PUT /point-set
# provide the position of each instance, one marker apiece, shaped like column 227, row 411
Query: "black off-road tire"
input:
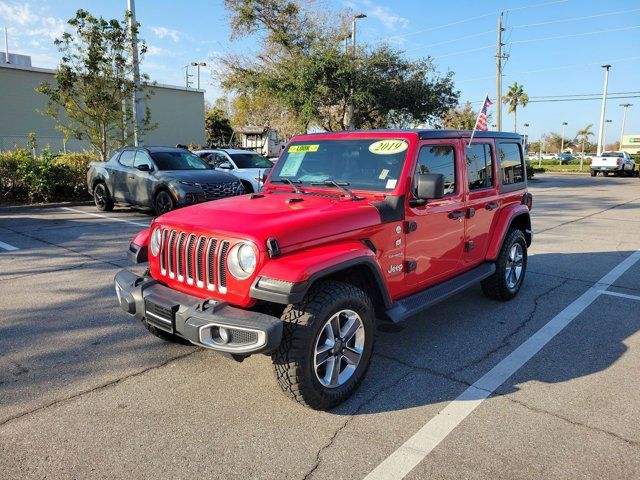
column 102, row 197
column 293, row 361
column 166, row 336
column 163, row 203
column 496, row 286
column 593, row 173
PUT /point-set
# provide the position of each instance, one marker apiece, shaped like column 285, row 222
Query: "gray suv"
column 161, row 178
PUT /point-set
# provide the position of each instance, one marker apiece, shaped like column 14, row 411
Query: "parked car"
column 618, row 163
column 161, row 178
column 246, row 165
column 351, row 230
column 564, row 158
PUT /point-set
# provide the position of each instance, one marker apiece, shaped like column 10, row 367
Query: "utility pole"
column 624, row 120
column 564, row 124
column 603, row 109
column 524, row 135
column 351, row 122
column 6, row 45
column 499, row 57
column 604, row 135
column 137, row 107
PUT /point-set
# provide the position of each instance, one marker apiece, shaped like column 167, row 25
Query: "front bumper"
column 208, row 323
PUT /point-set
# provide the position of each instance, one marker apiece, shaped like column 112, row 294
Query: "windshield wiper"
column 340, row 186
column 288, row 181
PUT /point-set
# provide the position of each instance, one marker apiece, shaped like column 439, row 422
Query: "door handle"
column 492, row 205
column 457, row 214
column 132, row 177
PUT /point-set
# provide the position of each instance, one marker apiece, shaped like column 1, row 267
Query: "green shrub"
column 46, row 178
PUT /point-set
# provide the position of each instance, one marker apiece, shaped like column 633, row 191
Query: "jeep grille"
column 194, row 259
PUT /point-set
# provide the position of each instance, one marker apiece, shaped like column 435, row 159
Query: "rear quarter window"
column 512, row 170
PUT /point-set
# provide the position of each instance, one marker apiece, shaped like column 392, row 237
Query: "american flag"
column 481, row 123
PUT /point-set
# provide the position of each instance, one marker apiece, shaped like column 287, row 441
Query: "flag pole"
column 475, row 127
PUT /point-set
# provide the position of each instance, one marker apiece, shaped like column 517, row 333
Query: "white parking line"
column 622, row 295
column 115, row 219
column 6, row 246
column 413, row 451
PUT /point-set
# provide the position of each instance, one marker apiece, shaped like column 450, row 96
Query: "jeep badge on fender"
column 351, row 230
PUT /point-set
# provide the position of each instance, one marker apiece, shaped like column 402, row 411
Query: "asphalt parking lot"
column 86, row 392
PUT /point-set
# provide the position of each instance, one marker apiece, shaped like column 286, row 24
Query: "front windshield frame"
column 191, row 161
column 381, row 171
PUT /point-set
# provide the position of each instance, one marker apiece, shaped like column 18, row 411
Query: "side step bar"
column 408, row 306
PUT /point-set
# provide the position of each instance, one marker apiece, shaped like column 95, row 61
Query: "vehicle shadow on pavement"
column 63, row 332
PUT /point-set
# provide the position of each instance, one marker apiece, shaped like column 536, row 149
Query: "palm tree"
column 582, row 136
column 515, row 97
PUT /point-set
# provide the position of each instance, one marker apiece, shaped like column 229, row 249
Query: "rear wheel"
column 163, row 203
column 511, row 266
column 326, row 347
column 102, row 197
column 593, row 173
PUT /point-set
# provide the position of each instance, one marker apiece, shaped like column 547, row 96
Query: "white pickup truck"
column 619, row 163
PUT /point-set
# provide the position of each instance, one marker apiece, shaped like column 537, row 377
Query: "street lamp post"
column 604, row 135
column 524, row 135
column 137, row 105
column 351, row 122
column 198, row 65
column 624, row 120
column 564, row 124
column 603, row 109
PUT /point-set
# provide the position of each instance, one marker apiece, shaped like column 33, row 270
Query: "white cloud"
column 17, row 13
column 163, row 32
column 389, row 19
column 153, row 51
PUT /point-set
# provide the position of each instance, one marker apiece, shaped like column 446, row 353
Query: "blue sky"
column 594, row 32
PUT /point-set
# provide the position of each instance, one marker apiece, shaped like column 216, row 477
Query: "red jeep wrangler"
column 351, row 230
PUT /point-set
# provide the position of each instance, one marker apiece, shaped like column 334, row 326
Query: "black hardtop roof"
column 424, row 134
column 152, row 148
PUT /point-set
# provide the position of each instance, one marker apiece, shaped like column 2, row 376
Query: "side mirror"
column 428, row 186
column 226, row 166
column 144, row 167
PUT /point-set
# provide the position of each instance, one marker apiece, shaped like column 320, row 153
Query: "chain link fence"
column 55, row 144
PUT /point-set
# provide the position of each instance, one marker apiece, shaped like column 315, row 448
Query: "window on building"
column 439, row 159
column 511, row 163
column 479, row 166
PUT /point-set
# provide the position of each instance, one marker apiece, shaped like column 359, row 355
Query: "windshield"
column 612, row 154
column 372, row 164
column 178, row 160
column 250, row 160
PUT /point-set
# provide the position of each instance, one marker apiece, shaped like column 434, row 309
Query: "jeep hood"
column 280, row 215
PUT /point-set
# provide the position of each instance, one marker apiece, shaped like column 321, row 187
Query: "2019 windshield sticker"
column 388, row 147
column 303, row 148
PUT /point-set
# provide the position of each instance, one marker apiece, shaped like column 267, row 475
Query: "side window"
column 219, row 159
column 511, row 163
column 141, row 159
column 479, row 166
column 439, row 159
column 126, row 158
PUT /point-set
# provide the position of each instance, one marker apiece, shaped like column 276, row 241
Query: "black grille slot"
column 211, row 263
column 171, row 253
column 189, row 254
column 199, row 261
column 213, row 191
column 242, row 337
column 163, row 252
column 180, row 252
column 222, row 266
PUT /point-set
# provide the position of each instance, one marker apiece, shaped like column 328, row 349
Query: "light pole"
column 624, row 120
column 524, row 135
column 187, row 82
column 137, row 107
column 604, row 134
column 603, row 109
column 564, row 124
column 198, row 65
column 351, row 122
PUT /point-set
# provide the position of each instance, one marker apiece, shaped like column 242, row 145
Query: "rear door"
column 121, row 174
column 434, row 249
column 483, row 200
column 140, row 183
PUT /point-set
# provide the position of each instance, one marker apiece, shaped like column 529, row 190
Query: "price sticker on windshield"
column 303, row 148
column 388, row 147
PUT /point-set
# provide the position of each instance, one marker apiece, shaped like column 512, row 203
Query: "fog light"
column 190, row 198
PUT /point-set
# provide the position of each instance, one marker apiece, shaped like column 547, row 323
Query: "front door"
column 121, row 175
column 139, row 183
column 434, row 249
column 483, row 202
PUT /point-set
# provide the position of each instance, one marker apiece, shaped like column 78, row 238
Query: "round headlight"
column 241, row 260
column 156, row 237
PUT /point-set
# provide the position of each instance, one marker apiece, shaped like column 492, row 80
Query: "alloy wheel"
column 513, row 270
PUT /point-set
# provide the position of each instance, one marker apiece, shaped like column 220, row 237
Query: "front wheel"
column 594, row 173
column 511, row 265
column 326, row 347
column 163, row 203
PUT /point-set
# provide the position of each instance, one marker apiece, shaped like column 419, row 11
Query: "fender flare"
column 507, row 217
column 139, row 247
column 290, row 292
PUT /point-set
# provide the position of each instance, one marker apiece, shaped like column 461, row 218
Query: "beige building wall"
column 178, row 112
column 630, row 144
